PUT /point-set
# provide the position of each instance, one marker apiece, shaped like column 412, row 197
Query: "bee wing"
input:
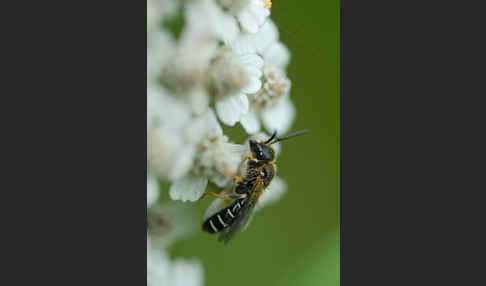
column 240, row 223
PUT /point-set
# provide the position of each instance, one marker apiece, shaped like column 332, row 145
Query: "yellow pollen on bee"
column 268, row 3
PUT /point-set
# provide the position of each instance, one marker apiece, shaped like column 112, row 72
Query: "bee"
column 261, row 169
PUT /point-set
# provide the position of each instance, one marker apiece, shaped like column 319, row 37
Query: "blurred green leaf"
column 320, row 266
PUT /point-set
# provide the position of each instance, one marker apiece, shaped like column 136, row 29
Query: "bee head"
column 261, row 151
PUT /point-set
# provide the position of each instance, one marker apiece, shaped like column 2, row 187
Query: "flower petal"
column 250, row 122
column 202, row 127
column 248, row 22
column 188, row 188
column 182, row 163
column 253, row 86
column 267, row 35
column 252, row 60
column 231, row 108
column 280, row 117
column 277, row 54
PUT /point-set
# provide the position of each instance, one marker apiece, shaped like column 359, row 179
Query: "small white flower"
column 271, row 103
column 253, row 15
column 180, row 272
column 227, row 75
column 256, row 43
column 233, row 76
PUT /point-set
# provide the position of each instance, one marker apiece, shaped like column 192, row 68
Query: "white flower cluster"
column 225, row 64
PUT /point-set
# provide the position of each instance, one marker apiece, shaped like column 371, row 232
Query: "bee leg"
column 235, row 176
column 224, row 197
column 243, row 162
column 238, row 178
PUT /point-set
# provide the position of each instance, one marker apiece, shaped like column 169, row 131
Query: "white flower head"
column 271, row 105
column 227, row 75
column 227, row 51
column 276, row 87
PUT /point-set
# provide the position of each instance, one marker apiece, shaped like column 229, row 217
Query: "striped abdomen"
column 224, row 218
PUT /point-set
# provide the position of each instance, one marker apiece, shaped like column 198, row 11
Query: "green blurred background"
column 296, row 240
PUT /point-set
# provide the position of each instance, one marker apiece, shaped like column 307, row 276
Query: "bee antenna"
column 291, row 135
column 271, row 138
